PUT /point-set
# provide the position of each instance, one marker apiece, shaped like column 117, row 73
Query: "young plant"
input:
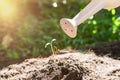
column 51, row 45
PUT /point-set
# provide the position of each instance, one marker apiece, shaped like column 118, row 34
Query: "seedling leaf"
column 53, row 40
column 47, row 45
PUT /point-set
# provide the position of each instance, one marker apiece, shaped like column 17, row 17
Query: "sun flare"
column 7, row 9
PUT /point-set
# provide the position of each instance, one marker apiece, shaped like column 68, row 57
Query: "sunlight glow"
column 1, row 1
column 7, row 9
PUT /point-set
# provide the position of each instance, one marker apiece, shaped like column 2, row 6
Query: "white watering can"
column 69, row 26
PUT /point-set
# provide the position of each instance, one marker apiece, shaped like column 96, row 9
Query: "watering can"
column 69, row 26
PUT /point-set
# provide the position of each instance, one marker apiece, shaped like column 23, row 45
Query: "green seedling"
column 51, row 45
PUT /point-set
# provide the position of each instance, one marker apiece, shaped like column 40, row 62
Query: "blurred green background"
column 36, row 22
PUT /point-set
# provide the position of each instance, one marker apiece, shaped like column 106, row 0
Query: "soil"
column 4, row 62
column 110, row 49
column 69, row 66
column 101, row 64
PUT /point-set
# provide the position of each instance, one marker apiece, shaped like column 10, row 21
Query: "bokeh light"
column 55, row 4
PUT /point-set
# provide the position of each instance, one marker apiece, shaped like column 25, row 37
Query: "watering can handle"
column 111, row 4
column 93, row 7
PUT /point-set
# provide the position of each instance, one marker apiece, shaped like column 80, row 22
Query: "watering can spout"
column 69, row 26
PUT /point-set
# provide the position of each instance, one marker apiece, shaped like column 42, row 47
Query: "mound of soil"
column 69, row 66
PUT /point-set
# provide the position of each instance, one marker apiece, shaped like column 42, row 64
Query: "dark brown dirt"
column 5, row 62
column 111, row 49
